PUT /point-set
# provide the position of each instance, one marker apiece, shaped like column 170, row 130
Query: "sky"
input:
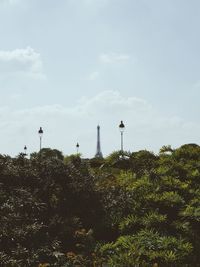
column 69, row 65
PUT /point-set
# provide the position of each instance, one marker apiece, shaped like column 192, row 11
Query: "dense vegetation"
column 127, row 210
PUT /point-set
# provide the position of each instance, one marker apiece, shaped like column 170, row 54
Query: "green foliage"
column 128, row 210
column 48, row 153
column 146, row 248
column 166, row 149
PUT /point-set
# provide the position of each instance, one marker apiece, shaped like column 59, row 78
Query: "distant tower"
column 98, row 153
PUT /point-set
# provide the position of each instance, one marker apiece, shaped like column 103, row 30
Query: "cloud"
column 113, row 103
column 197, row 84
column 112, row 58
column 93, row 76
column 91, row 3
column 13, row 1
column 65, row 126
column 96, row 2
column 26, row 61
column 10, row 2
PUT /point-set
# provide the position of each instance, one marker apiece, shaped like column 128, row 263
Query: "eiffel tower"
column 98, row 152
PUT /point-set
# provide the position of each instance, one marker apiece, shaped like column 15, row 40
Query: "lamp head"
column 40, row 132
column 121, row 126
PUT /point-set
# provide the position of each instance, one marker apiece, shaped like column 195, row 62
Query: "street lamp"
column 40, row 132
column 121, row 128
column 77, row 148
column 25, row 149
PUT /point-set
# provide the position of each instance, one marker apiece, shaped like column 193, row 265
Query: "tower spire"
column 98, row 152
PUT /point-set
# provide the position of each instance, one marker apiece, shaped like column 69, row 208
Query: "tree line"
column 131, row 209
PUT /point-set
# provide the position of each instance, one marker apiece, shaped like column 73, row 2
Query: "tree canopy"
column 131, row 209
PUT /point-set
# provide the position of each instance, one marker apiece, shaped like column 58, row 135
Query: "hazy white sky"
column 68, row 65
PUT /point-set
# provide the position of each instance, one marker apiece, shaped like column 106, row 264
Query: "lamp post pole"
column 122, row 128
column 40, row 132
column 25, row 149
